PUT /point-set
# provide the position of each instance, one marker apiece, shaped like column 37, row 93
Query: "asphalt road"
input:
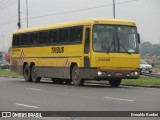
column 17, row 95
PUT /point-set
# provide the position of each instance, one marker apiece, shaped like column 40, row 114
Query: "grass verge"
column 5, row 72
column 148, row 81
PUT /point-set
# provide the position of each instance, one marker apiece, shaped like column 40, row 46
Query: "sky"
column 145, row 13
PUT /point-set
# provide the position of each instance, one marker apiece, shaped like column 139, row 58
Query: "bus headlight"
column 136, row 73
column 99, row 73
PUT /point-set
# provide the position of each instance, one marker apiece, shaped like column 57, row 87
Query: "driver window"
column 87, row 41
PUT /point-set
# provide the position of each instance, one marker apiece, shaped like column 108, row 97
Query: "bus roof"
column 76, row 23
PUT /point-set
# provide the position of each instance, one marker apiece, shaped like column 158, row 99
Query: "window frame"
column 47, row 43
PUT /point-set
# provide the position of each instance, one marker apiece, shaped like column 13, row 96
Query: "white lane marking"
column 26, row 105
column 33, row 89
column 119, row 99
column 66, row 92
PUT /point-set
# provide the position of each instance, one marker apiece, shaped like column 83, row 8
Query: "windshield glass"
column 112, row 38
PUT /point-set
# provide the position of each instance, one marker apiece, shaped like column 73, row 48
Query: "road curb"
column 147, row 86
column 10, row 76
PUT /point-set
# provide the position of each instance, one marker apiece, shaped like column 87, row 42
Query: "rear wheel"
column 34, row 75
column 27, row 73
column 115, row 82
column 76, row 77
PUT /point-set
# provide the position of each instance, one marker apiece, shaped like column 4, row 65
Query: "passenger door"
column 87, row 48
column 87, row 64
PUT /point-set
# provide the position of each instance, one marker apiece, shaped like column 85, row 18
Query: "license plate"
column 119, row 74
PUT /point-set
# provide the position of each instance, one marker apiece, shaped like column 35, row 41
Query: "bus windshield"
column 115, row 39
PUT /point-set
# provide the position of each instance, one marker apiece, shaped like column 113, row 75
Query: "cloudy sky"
column 146, row 14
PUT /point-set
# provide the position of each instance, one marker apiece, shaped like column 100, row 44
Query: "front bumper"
column 106, row 74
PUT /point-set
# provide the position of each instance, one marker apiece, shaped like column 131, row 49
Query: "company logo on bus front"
column 104, row 59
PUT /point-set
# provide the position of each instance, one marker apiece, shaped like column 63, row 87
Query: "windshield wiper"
column 112, row 43
column 108, row 49
column 120, row 43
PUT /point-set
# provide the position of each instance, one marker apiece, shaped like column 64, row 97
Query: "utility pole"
column 3, row 42
column 114, row 13
column 27, row 11
column 19, row 15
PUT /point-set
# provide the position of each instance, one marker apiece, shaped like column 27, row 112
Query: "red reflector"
column 119, row 74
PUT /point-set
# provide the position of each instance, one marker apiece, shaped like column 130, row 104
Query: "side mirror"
column 138, row 36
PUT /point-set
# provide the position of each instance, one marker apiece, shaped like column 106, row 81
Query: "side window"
column 43, row 37
column 76, row 34
column 87, row 41
column 26, row 42
column 33, row 39
column 24, row 39
column 16, row 40
column 63, row 35
column 53, row 35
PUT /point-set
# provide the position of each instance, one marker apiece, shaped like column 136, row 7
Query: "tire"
column 76, row 76
column 68, row 81
column 34, row 76
column 140, row 72
column 27, row 73
column 57, row 81
column 115, row 82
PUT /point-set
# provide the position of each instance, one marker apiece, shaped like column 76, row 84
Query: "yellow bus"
column 89, row 49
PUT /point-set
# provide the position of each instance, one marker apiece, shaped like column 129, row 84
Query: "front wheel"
column 68, row 81
column 140, row 72
column 150, row 71
column 115, row 82
column 34, row 75
column 27, row 73
column 76, row 77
